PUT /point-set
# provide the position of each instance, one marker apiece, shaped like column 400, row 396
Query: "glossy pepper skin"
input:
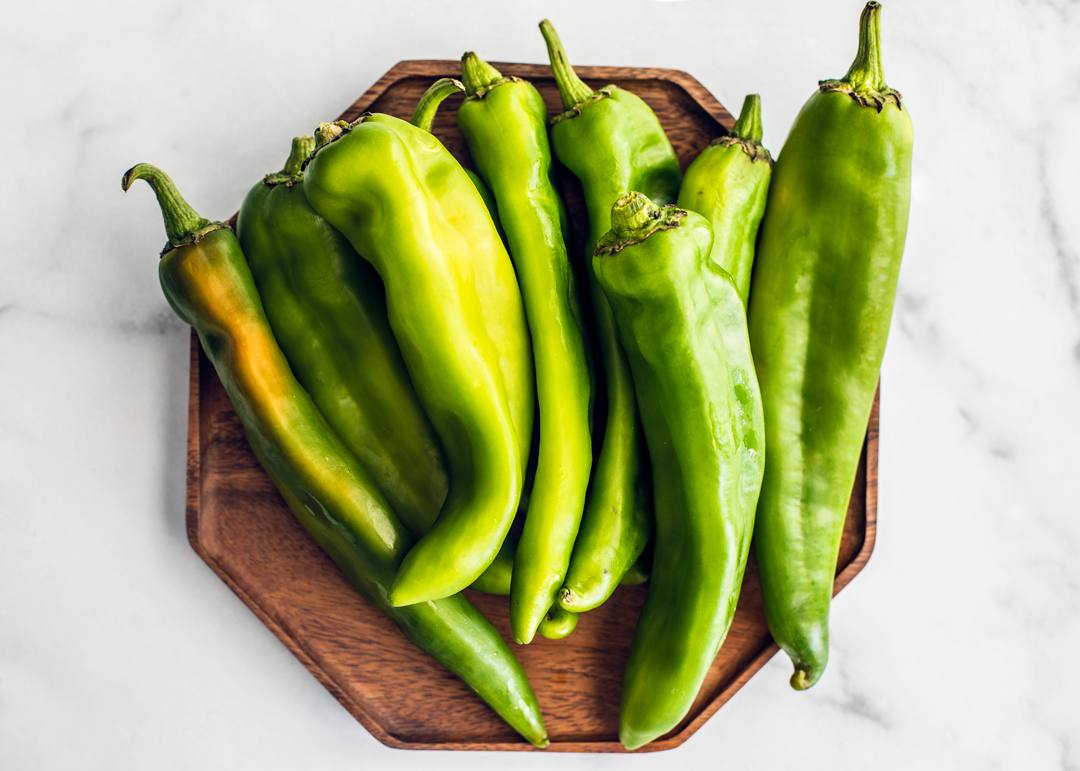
column 504, row 122
column 612, row 142
column 327, row 310
column 820, row 305
column 424, row 118
column 406, row 205
column 207, row 282
column 683, row 326
column 728, row 184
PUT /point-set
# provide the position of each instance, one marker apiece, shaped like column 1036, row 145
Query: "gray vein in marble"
column 1003, row 451
column 1069, row 760
column 1066, row 257
column 852, row 701
column 163, row 322
column 1064, row 254
column 911, row 317
column 1060, row 7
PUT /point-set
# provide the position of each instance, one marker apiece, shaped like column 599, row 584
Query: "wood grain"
column 240, row 526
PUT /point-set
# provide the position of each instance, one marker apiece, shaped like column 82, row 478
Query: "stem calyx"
column 633, row 219
column 865, row 79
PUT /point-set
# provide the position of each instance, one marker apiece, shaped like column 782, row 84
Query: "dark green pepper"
column 406, row 205
column 504, row 122
column 327, row 309
column 207, row 282
column 328, row 313
column 727, row 184
column 820, row 305
column 612, row 142
column 683, row 326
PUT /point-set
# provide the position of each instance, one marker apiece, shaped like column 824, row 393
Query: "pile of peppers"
column 447, row 396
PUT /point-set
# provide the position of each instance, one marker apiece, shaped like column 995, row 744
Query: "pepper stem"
column 748, row 126
column 476, row 74
column 572, row 89
column 328, row 132
column 181, row 221
column 424, row 116
column 633, row 219
column 293, row 172
column 632, row 212
column 866, row 72
column 302, row 147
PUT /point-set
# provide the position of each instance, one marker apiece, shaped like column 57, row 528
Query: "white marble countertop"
column 120, row 649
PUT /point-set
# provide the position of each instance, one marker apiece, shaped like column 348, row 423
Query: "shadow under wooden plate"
column 240, row 526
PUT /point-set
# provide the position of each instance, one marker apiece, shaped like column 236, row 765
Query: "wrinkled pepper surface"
column 683, row 326
column 820, row 304
column 327, row 309
column 504, row 122
column 727, row 184
column 612, row 142
column 406, row 205
column 207, row 282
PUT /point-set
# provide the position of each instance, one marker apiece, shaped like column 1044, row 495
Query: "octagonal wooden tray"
column 239, row 525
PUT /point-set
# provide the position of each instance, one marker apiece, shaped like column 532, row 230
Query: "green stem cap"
column 572, row 89
column 747, row 131
column 633, row 219
column 866, row 72
column 328, row 132
column 748, row 126
column 302, row 147
column 424, row 116
column 865, row 79
column 476, row 74
column 181, row 221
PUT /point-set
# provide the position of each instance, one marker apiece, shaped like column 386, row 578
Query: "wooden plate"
column 239, row 525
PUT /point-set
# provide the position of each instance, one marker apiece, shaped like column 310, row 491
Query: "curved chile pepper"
column 504, row 122
column 821, row 301
column 496, row 578
column 327, row 310
column 682, row 323
column 612, row 142
column 207, row 282
column 407, row 206
column 727, row 184
column 557, row 623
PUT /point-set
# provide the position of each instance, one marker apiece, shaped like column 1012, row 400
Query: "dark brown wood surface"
column 240, row 526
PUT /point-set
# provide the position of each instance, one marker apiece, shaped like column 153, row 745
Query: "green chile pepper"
column 557, row 623
column 328, row 313
column 504, row 122
column 406, row 205
column 727, row 184
column 683, row 326
column 496, row 579
column 327, row 310
column 207, row 282
column 821, row 301
column 612, row 142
